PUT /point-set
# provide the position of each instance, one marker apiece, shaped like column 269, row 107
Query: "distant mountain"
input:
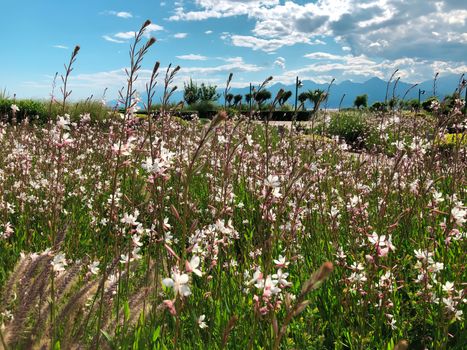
column 375, row 88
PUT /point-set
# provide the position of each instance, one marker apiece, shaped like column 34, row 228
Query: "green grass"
column 325, row 202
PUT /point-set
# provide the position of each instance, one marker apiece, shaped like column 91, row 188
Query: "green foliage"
column 350, row 126
column 42, row 111
column 191, row 93
column 303, row 97
column 31, row 109
column 378, row 106
column 452, row 141
column 316, row 97
column 361, row 101
column 413, row 104
column 285, row 97
column 205, row 109
column 427, row 104
column 229, row 98
column 262, row 96
column 237, row 99
column 207, row 93
column 339, row 314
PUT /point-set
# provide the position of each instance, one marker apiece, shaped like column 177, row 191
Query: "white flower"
column 438, row 197
column 422, row 254
column 14, row 108
column 59, row 262
column 272, row 181
column 257, row 276
column 136, row 241
column 201, row 322
column 281, row 278
column 270, row 287
column 63, row 122
column 436, row 267
column 94, row 268
column 459, row 215
column 357, row 277
column 130, row 219
column 221, row 139
column 448, row 287
column 450, row 304
column 357, row 267
column 126, row 258
column 281, row 261
column 8, row 231
column 178, row 282
column 192, row 266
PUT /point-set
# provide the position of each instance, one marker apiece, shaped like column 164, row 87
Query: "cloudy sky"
column 316, row 40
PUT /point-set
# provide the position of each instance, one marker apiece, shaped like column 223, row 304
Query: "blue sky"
column 316, row 40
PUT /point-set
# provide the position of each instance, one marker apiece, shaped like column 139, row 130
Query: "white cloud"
column 192, row 57
column 122, row 37
column 180, row 35
column 112, row 40
column 122, row 14
column 382, row 28
column 125, row 35
column 153, row 28
column 61, row 47
column 362, row 67
column 323, row 56
column 255, row 43
column 87, row 83
column 208, row 32
column 280, row 61
column 220, row 9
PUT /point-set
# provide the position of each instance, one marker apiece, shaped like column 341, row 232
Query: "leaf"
column 156, row 334
column 126, row 310
column 106, row 336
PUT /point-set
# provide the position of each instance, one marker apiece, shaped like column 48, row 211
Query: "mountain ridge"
column 374, row 87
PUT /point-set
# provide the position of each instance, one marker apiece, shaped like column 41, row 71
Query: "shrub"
column 205, row 109
column 349, row 126
column 361, row 101
column 451, row 141
column 27, row 109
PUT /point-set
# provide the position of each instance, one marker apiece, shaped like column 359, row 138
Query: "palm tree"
column 284, row 97
column 316, row 97
column 237, row 100
column 248, row 98
column 262, row 96
column 229, row 98
column 302, row 98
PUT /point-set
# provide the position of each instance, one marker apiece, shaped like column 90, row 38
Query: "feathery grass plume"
column 228, row 330
column 300, row 304
column 37, row 277
column 402, row 345
column 68, row 70
column 8, row 291
column 168, row 88
column 227, row 89
column 29, row 325
column 327, row 94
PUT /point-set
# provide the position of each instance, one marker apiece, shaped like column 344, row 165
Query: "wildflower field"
column 153, row 232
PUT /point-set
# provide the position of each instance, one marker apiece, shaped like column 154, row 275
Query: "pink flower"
column 169, row 304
